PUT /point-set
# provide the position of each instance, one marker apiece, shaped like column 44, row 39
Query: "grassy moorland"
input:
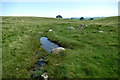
column 89, row 53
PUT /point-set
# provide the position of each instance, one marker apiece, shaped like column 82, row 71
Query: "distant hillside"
column 85, row 18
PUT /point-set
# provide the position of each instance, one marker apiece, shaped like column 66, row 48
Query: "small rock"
column 70, row 28
column 22, row 20
column 100, row 31
column 40, row 32
column 45, row 76
column 82, row 26
column 57, row 50
column 50, row 29
column 16, row 68
column 40, row 59
column 56, row 64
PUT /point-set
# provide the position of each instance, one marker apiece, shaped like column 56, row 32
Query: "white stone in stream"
column 57, row 50
column 45, row 76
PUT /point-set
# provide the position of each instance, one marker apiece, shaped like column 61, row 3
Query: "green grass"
column 88, row 54
column 0, row 49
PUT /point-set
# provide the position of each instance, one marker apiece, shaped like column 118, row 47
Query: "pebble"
column 45, row 76
column 16, row 68
column 40, row 32
column 100, row 31
column 50, row 29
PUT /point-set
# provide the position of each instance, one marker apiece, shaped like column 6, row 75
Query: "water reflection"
column 47, row 45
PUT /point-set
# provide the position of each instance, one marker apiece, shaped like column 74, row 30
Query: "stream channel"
column 47, row 45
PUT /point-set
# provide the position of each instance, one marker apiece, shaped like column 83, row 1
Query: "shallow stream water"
column 47, row 45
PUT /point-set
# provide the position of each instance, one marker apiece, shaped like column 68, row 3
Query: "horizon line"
column 63, row 17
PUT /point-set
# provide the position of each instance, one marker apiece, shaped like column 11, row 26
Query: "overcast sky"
column 66, row 8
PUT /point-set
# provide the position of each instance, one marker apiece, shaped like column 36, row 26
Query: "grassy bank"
column 20, row 42
column 89, row 53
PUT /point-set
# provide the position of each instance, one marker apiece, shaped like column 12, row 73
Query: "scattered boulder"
column 50, row 29
column 81, row 26
column 45, row 75
column 70, row 28
column 57, row 50
column 100, row 31
column 22, row 20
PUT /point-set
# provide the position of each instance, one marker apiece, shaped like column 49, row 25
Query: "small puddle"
column 47, row 45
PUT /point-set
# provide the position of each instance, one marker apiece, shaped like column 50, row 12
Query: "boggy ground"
column 89, row 53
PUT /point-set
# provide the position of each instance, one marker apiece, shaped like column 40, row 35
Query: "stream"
column 47, row 45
